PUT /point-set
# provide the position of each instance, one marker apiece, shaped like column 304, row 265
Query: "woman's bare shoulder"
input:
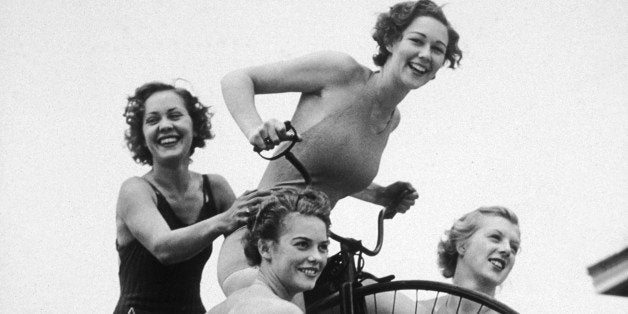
column 265, row 305
column 255, row 300
column 342, row 65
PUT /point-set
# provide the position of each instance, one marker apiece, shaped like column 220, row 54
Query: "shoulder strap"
column 164, row 209
column 153, row 186
column 208, row 196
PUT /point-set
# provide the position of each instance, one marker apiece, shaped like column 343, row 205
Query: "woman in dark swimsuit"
column 167, row 219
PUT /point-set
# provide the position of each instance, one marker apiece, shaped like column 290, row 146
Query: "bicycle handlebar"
column 294, row 138
column 356, row 245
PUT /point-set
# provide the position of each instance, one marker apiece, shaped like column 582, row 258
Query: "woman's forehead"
column 296, row 224
column 490, row 222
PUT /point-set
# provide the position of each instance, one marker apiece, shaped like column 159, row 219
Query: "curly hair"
column 268, row 224
column 390, row 26
column 462, row 230
column 134, row 114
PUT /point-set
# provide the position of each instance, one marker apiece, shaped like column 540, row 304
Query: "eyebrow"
column 307, row 239
column 502, row 234
column 438, row 41
column 167, row 111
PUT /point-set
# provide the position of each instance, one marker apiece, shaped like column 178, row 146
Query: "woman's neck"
column 387, row 90
column 174, row 177
column 270, row 280
column 463, row 279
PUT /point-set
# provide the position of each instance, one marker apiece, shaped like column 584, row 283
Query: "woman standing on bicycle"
column 478, row 253
column 167, row 219
column 287, row 241
column 346, row 113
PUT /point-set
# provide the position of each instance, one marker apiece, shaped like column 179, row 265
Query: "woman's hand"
column 399, row 196
column 268, row 134
column 243, row 207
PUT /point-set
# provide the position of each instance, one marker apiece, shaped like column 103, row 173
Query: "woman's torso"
column 342, row 142
column 147, row 284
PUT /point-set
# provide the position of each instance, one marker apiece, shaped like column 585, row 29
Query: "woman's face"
column 420, row 52
column 489, row 254
column 300, row 255
column 167, row 127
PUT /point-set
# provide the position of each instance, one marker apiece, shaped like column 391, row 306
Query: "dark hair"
column 462, row 230
column 134, row 114
column 390, row 25
column 269, row 221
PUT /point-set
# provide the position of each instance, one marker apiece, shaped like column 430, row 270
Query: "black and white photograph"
column 314, row 156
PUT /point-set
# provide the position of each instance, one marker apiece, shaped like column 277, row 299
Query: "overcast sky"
column 535, row 119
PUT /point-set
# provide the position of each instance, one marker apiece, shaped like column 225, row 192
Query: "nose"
column 505, row 249
column 317, row 257
column 424, row 52
column 165, row 125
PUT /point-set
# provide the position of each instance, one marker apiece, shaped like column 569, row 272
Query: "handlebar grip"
column 389, row 211
column 289, row 138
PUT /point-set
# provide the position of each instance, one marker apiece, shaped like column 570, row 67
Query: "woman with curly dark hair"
column 477, row 252
column 167, row 219
column 345, row 114
column 287, row 241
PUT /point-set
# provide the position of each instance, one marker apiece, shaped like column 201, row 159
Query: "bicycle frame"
column 350, row 296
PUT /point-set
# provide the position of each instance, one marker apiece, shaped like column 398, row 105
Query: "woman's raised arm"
column 308, row 74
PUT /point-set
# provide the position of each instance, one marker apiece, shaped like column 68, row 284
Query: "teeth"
column 308, row 271
column 167, row 140
column 497, row 263
column 418, row 67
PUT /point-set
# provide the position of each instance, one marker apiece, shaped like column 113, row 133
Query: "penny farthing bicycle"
column 344, row 287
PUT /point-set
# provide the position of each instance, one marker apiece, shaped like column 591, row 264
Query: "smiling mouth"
column 168, row 140
column 498, row 263
column 309, row 271
column 416, row 67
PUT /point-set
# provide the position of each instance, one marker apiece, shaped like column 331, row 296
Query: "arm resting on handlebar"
column 374, row 193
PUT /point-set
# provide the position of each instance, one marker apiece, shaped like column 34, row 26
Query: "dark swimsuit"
column 148, row 286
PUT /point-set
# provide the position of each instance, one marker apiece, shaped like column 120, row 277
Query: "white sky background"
column 535, row 119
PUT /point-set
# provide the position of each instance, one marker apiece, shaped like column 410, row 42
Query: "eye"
column 439, row 50
column 495, row 237
column 151, row 120
column 323, row 247
column 302, row 245
column 514, row 248
column 417, row 41
column 175, row 115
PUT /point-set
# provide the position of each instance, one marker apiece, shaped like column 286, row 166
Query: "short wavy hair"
column 390, row 26
column 134, row 114
column 461, row 231
column 268, row 224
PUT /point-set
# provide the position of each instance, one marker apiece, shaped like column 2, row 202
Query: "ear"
column 389, row 48
column 460, row 247
column 264, row 247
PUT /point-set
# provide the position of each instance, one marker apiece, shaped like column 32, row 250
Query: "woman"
column 167, row 219
column 478, row 253
column 345, row 114
column 287, row 241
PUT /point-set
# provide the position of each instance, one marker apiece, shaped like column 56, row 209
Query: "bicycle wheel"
column 387, row 298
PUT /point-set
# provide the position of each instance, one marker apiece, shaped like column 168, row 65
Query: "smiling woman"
column 167, row 219
column 287, row 241
column 345, row 115
column 478, row 253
